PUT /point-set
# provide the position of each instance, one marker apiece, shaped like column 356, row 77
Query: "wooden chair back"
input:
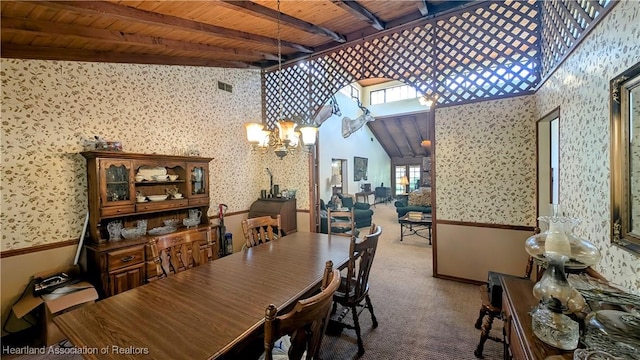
column 173, row 254
column 260, row 230
column 340, row 223
column 305, row 323
column 361, row 255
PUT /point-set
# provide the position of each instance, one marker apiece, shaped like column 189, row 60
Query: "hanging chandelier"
column 283, row 139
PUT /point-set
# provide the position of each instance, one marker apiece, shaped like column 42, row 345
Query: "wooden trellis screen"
column 490, row 50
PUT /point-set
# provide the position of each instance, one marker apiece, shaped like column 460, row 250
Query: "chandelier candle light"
column 283, row 139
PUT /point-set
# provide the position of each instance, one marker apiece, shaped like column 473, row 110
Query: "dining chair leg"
column 483, row 312
column 373, row 317
column 356, row 325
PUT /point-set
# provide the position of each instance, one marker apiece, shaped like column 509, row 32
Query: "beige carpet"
column 419, row 316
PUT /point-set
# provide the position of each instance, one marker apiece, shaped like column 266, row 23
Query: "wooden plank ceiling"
column 401, row 135
column 226, row 33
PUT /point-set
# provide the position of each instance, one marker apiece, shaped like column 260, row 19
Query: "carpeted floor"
column 419, row 316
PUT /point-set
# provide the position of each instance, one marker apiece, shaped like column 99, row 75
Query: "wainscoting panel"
column 469, row 252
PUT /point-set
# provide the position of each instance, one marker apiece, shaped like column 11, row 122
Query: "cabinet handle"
column 127, row 258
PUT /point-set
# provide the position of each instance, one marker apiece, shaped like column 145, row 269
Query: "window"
column 400, row 171
column 414, row 177
column 412, row 172
column 351, row 91
column 392, row 94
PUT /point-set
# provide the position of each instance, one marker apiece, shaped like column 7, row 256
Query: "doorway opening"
column 548, row 150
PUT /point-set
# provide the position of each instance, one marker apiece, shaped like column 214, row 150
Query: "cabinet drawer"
column 126, row 257
column 162, row 205
column 117, row 210
column 199, row 201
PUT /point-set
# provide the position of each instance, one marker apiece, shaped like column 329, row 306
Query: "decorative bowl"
column 173, row 177
column 157, row 197
column 131, row 233
column 159, row 177
column 172, row 222
column 189, row 222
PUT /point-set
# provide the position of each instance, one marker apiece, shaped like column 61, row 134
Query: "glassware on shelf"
column 114, row 228
column 616, row 332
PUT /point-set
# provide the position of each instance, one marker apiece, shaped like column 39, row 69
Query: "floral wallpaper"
column 486, row 162
column 50, row 108
column 580, row 87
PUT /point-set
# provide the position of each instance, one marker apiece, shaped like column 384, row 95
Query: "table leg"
column 429, row 234
column 401, row 231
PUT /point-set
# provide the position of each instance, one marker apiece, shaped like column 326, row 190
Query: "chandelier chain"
column 279, row 65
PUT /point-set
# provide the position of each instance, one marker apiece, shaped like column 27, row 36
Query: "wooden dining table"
column 204, row 312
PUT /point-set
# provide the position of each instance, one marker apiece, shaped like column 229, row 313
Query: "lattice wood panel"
column 500, row 49
column 563, row 23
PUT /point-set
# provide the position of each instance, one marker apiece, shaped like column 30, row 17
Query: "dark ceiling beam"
column 47, row 53
column 263, row 12
column 417, row 130
column 386, row 130
column 435, row 10
column 43, row 28
column 361, row 13
column 395, row 143
column 423, row 7
column 405, row 137
column 107, row 9
column 393, row 26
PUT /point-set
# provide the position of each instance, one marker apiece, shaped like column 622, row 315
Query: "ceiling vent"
column 224, row 86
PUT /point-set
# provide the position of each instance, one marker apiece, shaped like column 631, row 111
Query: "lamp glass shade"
column 559, row 239
column 294, row 140
column 404, row 181
column 254, row 132
column 286, row 130
column 264, row 138
column 309, row 135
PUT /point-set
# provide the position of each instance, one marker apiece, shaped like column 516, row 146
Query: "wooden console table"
column 365, row 196
column 520, row 341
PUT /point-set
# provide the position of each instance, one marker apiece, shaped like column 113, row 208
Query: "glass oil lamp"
column 560, row 249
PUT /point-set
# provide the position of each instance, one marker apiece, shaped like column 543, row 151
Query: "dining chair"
column 173, row 254
column 260, row 230
column 354, row 287
column 341, row 223
column 299, row 332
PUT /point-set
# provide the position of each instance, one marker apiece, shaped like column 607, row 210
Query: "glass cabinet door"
column 198, row 175
column 117, row 179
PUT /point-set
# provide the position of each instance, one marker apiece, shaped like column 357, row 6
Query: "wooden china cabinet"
column 117, row 265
